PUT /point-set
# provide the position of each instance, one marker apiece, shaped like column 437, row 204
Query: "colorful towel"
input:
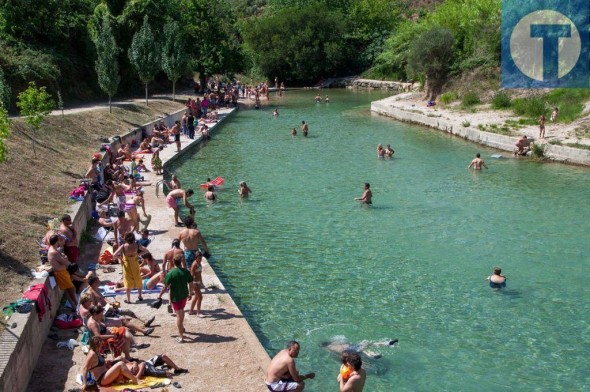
column 145, row 383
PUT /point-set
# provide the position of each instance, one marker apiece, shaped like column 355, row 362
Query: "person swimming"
column 339, row 346
column 497, row 280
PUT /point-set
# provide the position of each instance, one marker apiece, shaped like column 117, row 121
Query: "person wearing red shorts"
column 179, row 280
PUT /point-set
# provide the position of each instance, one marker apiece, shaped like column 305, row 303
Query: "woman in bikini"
column 131, row 209
column 118, row 338
column 96, row 364
column 131, row 272
column 380, row 151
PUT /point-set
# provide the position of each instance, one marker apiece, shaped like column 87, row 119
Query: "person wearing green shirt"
column 179, row 281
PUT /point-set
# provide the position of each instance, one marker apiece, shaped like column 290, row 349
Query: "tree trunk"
column 433, row 88
column 202, row 82
column 110, row 109
column 146, row 95
column 174, row 91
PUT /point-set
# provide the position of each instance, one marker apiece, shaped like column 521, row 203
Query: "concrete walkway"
column 222, row 352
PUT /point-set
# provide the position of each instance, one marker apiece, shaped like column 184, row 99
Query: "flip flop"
column 142, row 346
column 179, row 225
column 148, row 331
column 179, row 340
column 150, row 321
column 176, row 384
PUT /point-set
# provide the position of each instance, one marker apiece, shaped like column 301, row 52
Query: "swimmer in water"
column 477, row 163
column 497, row 280
column 304, row 128
column 293, row 132
column 367, row 196
column 210, row 194
column 339, row 347
column 276, row 113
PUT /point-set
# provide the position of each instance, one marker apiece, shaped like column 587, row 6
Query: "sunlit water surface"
column 304, row 261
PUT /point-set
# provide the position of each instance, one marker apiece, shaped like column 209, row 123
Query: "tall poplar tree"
column 174, row 57
column 144, row 54
column 107, row 66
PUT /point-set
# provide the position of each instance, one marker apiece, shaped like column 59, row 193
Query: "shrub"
column 501, row 101
column 448, row 97
column 466, row 123
column 470, row 99
column 538, row 150
column 530, row 107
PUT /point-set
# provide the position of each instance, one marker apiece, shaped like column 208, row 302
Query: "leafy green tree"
column 4, row 132
column 432, row 55
column 107, row 66
column 144, row 54
column 174, row 57
column 215, row 46
column 292, row 45
column 4, row 91
column 35, row 104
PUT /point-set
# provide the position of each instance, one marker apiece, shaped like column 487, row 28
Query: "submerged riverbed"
column 304, row 261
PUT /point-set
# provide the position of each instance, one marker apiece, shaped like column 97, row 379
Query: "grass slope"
column 33, row 190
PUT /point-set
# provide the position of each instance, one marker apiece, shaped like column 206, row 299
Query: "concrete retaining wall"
column 555, row 152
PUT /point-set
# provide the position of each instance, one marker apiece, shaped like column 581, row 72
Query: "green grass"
column 570, row 102
column 448, row 97
column 470, row 99
column 501, row 101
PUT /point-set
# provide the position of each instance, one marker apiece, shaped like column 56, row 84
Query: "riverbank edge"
column 249, row 336
column 392, row 107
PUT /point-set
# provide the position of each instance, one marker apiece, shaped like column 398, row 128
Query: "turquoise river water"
column 304, row 261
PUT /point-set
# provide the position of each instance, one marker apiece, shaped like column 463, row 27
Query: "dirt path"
column 223, row 353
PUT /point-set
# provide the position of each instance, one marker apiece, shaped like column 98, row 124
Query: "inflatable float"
column 217, row 182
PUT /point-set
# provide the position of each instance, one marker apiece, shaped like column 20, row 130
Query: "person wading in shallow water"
column 367, row 197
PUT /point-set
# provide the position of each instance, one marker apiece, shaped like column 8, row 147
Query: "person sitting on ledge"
column 523, row 146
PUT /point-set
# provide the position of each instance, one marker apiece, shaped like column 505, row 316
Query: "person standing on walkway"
column 179, row 281
column 282, row 374
column 59, row 263
column 542, row 126
column 172, row 201
column 190, row 238
column 175, row 131
column 68, row 232
column 190, row 124
column 131, row 272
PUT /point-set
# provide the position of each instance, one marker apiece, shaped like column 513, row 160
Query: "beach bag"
column 106, row 257
column 65, row 321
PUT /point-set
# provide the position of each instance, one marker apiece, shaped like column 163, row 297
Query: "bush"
column 501, row 101
column 538, row 150
column 530, row 107
column 448, row 97
column 470, row 99
column 466, row 123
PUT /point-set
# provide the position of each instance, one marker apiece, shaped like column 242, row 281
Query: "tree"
column 4, row 132
column 144, row 54
column 432, row 55
column 292, row 45
column 35, row 104
column 174, row 57
column 107, row 67
column 4, row 91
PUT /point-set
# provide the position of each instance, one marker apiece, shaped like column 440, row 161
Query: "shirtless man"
column 93, row 172
column 282, row 374
column 59, row 264
column 477, row 163
column 190, row 238
column 304, row 128
column 121, row 227
column 523, row 146
column 175, row 131
column 172, row 201
column 170, row 254
column 542, row 126
column 358, row 376
column 367, row 196
column 67, row 231
column 210, row 194
column 174, row 183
